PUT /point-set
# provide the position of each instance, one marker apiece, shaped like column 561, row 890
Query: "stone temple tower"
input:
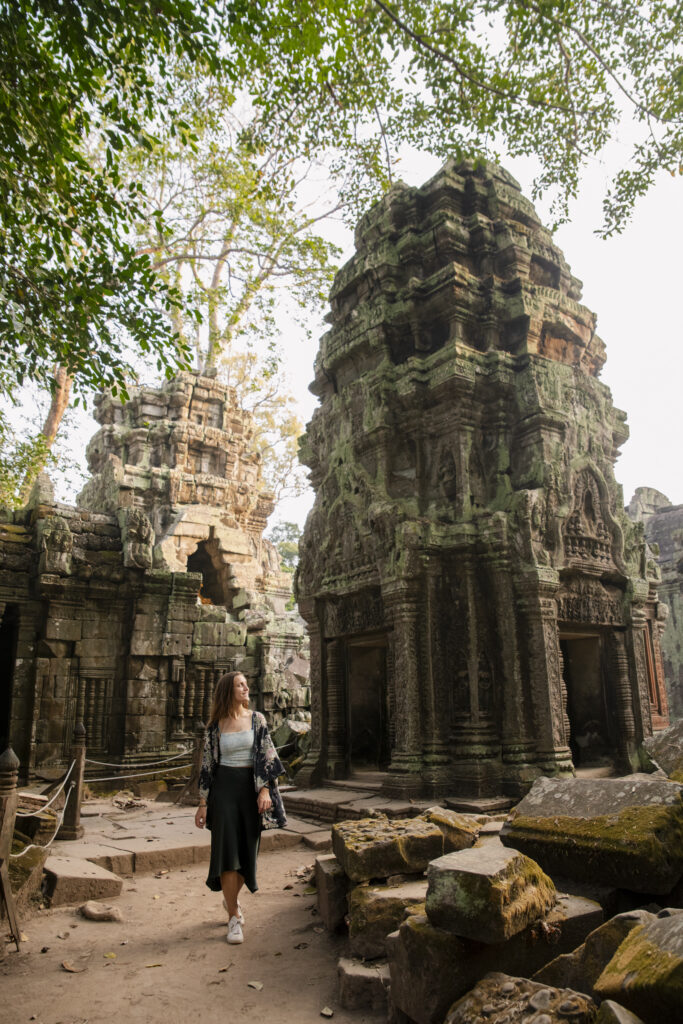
column 481, row 611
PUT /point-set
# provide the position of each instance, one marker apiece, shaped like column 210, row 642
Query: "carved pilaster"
column 311, row 773
column 623, row 696
column 539, row 609
column 336, row 756
column 403, row 778
column 436, row 697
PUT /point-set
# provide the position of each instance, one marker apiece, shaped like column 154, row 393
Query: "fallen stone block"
column 332, row 885
column 624, row 832
column 645, row 975
column 459, row 831
column 362, row 986
column 487, row 893
column 431, row 968
column 499, row 999
column 320, row 841
column 93, row 911
column 379, row 847
column 69, row 880
column 375, row 911
column 581, row 968
column 612, row 1013
column 666, row 750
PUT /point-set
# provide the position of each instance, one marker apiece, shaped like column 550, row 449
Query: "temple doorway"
column 368, row 717
column 9, row 628
column 587, row 710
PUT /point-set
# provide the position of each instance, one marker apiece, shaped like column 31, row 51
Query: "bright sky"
column 634, row 283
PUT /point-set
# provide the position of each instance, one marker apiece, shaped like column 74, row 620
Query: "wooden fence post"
column 9, row 771
column 71, row 827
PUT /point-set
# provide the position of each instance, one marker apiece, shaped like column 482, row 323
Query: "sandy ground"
column 167, row 962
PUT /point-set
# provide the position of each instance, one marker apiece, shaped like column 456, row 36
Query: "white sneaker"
column 240, row 915
column 234, row 931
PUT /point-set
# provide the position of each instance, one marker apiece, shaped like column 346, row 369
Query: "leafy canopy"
column 73, row 291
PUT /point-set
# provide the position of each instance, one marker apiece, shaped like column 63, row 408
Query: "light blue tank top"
column 237, row 749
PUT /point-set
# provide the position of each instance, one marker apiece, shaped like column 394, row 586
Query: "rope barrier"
column 41, row 846
column 136, row 775
column 144, row 764
column 44, row 807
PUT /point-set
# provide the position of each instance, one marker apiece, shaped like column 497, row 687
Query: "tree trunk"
column 58, row 406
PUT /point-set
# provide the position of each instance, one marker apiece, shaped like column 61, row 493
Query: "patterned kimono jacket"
column 267, row 767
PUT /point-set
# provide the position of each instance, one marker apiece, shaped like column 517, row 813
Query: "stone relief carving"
column 56, row 546
column 137, row 536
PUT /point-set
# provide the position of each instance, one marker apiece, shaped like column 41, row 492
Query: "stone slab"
column 431, row 968
column 378, row 847
column 332, row 885
column 645, row 975
column 459, row 832
column 113, row 858
column 612, row 1013
column 376, row 911
column 581, row 968
column 362, row 986
column 71, row 880
column 624, row 832
column 666, row 749
column 278, row 839
column 321, row 840
column 487, row 893
column 500, row 998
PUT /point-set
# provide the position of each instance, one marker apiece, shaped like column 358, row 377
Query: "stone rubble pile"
column 449, row 925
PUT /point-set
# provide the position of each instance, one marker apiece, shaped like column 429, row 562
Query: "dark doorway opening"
column 590, row 740
column 206, row 559
column 9, row 629
column 368, row 718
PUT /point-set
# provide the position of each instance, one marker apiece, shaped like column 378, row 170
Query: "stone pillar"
column 404, row 775
column 9, row 771
column 189, row 795
column 71, row 827
column 476, row 744
column 518, row 748
column 311, row 773
column 336, row 755
column 436, row 748
column 623, row 697
column 538, row 588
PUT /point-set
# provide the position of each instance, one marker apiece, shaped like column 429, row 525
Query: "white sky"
column 633, row 282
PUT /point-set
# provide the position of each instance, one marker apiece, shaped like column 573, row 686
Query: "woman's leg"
column 231, row 883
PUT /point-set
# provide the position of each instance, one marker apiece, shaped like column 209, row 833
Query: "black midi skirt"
column 235, row 824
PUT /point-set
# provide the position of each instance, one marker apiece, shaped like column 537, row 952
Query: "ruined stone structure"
column 663, row 524
column 123, row 611
column 480, row 608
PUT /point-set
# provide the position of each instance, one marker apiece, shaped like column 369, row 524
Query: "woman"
column 237, row 791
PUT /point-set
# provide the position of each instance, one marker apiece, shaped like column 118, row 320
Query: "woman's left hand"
column 263, row 801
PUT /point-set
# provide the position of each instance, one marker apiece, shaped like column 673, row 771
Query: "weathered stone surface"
column 581, row 968
column 98, row 912
column 69, row 880
column 467, row 554
column 377, row 847
column 332, row 886
column 362, row 986
column 487, row 893
column 431, row 968
column 459, row 830
column 625, row 832
column 612, row 1013
column 646, row 973
column 500, row 999
column 666, row 749
column 377, row 910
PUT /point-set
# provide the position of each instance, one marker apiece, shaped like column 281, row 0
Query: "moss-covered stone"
column 377, row 847
column 500, row 998
column 646, row 973
column 459, row 831
column 488, row 893
column 375, row 911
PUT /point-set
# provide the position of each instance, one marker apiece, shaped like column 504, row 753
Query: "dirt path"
column 163, row 964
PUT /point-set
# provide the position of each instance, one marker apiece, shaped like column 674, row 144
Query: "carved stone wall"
column 663, row 524
column 124, row 611
column 466, row 510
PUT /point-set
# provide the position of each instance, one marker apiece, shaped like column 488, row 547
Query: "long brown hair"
column 224, row 701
